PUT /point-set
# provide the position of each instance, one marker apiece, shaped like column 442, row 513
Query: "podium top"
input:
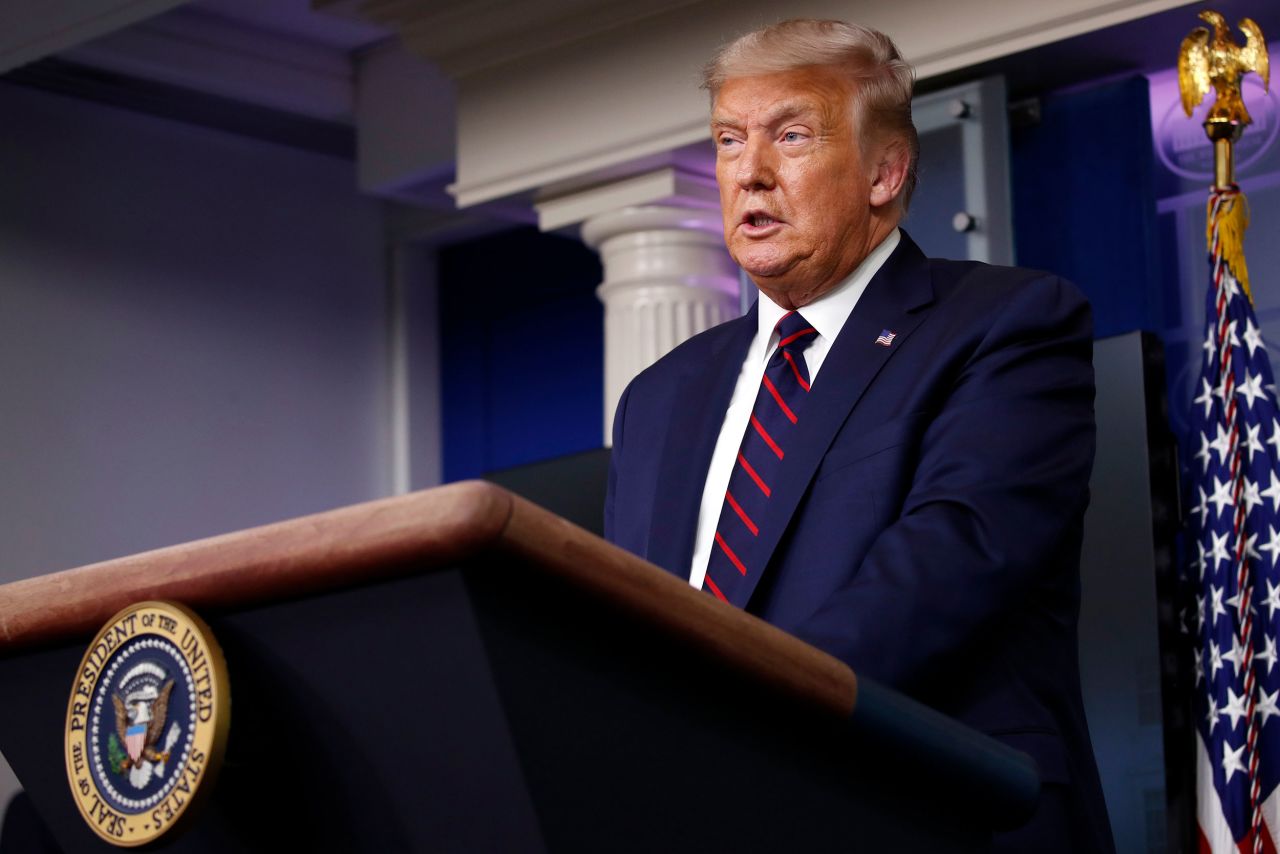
column 421, row 532
column 446, row 527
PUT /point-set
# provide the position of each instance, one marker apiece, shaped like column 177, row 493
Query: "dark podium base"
column 489, row 709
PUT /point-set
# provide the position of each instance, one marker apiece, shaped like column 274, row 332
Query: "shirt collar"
column 828, row 313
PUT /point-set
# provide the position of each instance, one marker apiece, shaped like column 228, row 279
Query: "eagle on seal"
column 140, row 719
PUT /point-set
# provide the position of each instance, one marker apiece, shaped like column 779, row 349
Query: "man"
column 888, row 456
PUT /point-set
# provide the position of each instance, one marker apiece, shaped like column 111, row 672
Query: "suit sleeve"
column 991, row 520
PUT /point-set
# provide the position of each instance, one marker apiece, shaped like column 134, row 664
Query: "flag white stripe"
column 1271, row 816
column 1209, row 816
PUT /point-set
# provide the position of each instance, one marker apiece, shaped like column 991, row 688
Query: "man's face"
column 797, row 193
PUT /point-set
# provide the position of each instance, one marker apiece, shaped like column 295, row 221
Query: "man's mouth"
column 758, row 220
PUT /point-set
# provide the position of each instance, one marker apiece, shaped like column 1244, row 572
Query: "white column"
column 667, row 277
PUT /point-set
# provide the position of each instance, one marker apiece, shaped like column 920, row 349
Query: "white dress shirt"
column 827, row 314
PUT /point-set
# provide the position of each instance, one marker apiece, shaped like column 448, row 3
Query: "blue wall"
column 1084, row 203
column 522, row 351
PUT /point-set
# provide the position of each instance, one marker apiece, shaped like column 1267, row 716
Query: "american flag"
column 1235, row 577
column 886, row 337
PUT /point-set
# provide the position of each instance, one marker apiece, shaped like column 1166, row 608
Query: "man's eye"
column 792, row 136
column 727, row 141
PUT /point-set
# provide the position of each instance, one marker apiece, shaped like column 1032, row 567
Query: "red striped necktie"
column 736, row 561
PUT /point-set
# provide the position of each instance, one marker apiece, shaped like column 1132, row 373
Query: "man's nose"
column 756, row 169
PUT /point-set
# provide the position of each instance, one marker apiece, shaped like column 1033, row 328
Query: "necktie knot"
column 794, row 333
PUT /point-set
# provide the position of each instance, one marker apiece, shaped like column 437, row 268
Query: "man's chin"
column 767, row 268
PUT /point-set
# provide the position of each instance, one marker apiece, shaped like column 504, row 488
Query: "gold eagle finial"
column 1215, row 60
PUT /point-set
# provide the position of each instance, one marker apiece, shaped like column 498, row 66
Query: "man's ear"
column 890, row 173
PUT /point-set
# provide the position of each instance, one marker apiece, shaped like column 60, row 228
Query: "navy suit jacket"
column 926, row 525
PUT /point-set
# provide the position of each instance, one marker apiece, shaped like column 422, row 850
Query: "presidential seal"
column 147, row 722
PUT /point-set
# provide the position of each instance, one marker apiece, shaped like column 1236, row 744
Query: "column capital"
column 668, row 186
column 667, row 277
column 697, row 223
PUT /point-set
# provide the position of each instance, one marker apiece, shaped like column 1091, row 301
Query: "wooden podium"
column 460, row 670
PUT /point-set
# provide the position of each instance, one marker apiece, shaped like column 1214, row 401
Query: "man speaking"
column 889, row 455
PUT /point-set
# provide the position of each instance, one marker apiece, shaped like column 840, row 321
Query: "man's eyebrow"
column 784, row 110
column 779, row 112
column 721, row 120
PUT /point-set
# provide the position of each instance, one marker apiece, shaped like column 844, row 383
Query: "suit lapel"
column 894, row 300
column 704, row 395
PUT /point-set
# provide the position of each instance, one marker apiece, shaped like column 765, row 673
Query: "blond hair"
column 883, row 81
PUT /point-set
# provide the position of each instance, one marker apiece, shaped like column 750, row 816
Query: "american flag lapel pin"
column 886, row 338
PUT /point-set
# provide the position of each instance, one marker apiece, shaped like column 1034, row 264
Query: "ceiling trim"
column 196, row 50
column 188, row 106
column 1007, row 42
column 31, row 31
column 465, row 37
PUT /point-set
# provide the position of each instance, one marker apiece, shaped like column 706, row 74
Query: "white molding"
column 552, row 170
column 550, row 115
column 400, row 279
column 473, row 35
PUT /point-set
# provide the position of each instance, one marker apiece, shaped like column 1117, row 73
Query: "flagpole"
column 1233, row 811
column 1224, row 136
